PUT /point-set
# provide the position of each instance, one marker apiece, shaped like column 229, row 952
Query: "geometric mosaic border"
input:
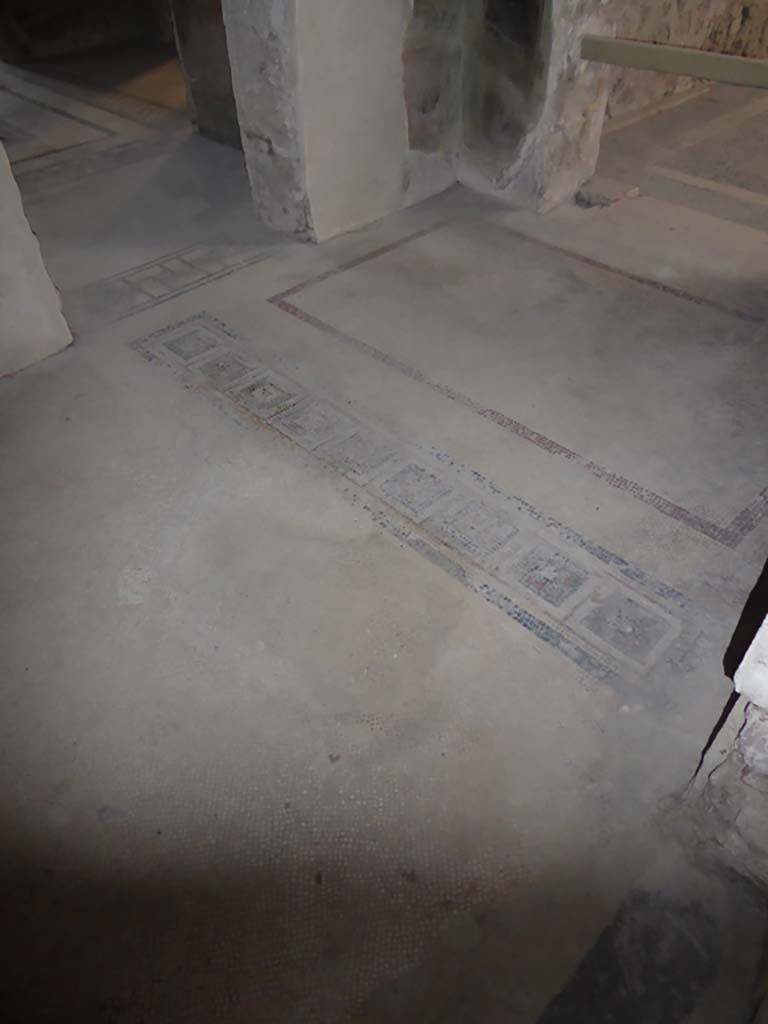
column 594, row 607
column 152, row 283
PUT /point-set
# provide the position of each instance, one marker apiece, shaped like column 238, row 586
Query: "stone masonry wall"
column 201, row 42
column 539, row 139
column 728, row 26
column 353, row 108
column 730, row 816
column 261, row 37
column 534, row 110
column 432, row 72
column 498, row 88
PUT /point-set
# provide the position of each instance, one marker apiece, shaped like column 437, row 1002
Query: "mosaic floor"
column 366, row 603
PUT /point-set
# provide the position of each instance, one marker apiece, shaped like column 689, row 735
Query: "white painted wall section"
column 352, row 110
column 31, row 323
column 751, row 678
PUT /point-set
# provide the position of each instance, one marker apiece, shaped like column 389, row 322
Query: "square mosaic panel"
column 179, row 274
column 627, row 625
column 192, row 344
column 360, row 456
column 267, row 395
column 148, row 282
column 550, row 574
column 473, row 527
column 224, row 370
column 414, row 489
column 314, row 423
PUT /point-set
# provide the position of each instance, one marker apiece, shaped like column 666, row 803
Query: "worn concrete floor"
column 363, row 605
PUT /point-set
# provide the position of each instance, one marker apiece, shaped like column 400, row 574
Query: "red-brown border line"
column 730, row 536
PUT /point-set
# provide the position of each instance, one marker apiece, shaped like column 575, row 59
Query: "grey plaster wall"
column 433, row 56
column 505, row 77
column 498, row 88
column 201, row 42
column 31, row 324
column 433, row 68
column 479, row 78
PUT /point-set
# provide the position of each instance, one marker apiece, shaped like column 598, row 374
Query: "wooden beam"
column 676, row 60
